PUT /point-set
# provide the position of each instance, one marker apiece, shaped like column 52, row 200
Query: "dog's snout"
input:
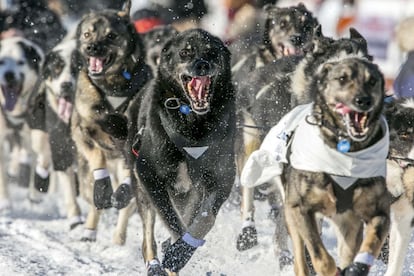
column 66, row 86
column 94, row 49
column 9, row 77
column 201, row 67
column 363, row 102
column 296, row 40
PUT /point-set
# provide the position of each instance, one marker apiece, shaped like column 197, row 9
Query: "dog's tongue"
column 198, row 86
column 96, row 64
column 11, row 95
column 342, row 109
column 64, row 109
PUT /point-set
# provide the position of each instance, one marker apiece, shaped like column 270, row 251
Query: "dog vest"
column 307, row 151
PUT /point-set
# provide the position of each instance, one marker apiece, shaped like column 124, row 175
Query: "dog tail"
column 115, row 124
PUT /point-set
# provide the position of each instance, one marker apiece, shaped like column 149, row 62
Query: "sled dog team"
column 301, row 119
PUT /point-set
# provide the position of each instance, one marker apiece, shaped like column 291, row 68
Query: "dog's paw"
column 75, row 221
column 285, row 259
column 247, row 239
column 102, row 193
column 177, row 255
column 154, row 268
column 356, row 269
column 41, row 184
column 122, row 196
column 24, row 175
column 88, row 235
column 115, row 124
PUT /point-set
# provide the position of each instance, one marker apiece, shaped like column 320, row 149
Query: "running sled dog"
column 113, row 72
column 183, row 129
column 329, row 158
column 21, row 63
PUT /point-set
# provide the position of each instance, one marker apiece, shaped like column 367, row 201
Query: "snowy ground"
column 34, row 240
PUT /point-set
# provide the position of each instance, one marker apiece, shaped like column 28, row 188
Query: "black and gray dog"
column 183, row 132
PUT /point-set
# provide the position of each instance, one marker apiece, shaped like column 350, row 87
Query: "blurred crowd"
column 376, row 20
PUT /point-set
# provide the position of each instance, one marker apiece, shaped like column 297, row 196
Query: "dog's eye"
column 372, row 81
column 86, row 34
column 20, row 62
column 342, row 79
column 184, row 53
column 111, row 36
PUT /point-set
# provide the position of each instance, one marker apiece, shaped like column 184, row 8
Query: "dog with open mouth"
column 21, row 62
column 276, row 96
column 286, row 32
column 340, row 170
column 113, row 73
column 182, row 131
column 328, row 158
column 50, row 112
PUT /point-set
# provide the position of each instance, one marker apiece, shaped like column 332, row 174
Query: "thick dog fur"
column 113, row 73
column 400, row 175
column 277, row 87
column 355, row 87
column 154, row 41
column 51, row 113
column 185, row 162
column 20, row 65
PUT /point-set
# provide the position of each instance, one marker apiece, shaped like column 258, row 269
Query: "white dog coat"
column 308, row 152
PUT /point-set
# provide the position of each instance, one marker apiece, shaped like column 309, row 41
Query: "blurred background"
column 376, row 20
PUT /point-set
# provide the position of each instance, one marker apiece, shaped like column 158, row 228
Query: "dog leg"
column 149, row 247
column 66, row 179
column 91, row 224
column 120, row 233
column 43, row 159
column 349, row 236
column 402, row 215
column 4, row 191
column 297, row 222
column 248, row 236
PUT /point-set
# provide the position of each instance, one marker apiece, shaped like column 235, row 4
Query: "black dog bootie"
column 247, row 239
column 356, row 269
column 122, row 196
column 41, row 184
column 177, row 255
column 102, row 193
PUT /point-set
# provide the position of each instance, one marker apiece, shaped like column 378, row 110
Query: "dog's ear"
column 323, row 70
column 126, row 10
column 354, row 34
column 318, row 31
column 34, row 55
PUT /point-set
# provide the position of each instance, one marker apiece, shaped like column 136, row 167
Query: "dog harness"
column 194, row 148
column 307, row 151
